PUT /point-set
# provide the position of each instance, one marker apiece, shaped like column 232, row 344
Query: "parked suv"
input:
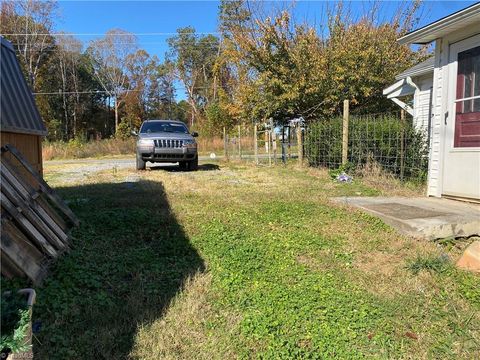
column 166, row 141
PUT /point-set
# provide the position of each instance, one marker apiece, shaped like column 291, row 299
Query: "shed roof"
column 18, row 111
column 425, row 67
column 469, row 16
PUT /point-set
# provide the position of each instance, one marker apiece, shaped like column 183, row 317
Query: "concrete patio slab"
column 422, row 218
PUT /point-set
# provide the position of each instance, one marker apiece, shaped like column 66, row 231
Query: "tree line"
column 261, row 65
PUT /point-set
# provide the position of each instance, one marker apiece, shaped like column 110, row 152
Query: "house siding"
column 434, row 176
column 440, row 107
column 422, row 103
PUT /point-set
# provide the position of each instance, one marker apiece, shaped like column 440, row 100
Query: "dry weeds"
column 184, row 331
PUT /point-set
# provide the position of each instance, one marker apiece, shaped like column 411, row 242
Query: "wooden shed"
column 21, row 123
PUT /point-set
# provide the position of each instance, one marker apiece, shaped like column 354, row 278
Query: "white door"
column 461, row 162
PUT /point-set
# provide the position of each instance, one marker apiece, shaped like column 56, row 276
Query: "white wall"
column 422, row 102
column 440, row 106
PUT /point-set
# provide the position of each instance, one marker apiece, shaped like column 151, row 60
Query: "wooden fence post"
column 255, row 143
column 269, row 137
column 225, row 143
column 274, row 146
column 346, row 111
column 402, row 143
column 239, row 143
column 300, row 144
column 271, row 142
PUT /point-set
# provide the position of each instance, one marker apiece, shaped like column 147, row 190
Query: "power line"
column 112, row 34
column 107, row 92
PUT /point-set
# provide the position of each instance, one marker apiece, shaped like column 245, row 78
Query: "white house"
column 417, row 82
column 446, row 102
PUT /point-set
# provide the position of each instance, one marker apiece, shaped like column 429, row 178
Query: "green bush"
column 15, row 323
column 124, row 130
column 376, row 138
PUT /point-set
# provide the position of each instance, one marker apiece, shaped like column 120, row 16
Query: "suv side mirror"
column 194, row 134
column 134, row 133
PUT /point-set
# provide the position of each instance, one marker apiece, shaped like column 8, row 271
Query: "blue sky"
column 87, row 17
column 96, row 17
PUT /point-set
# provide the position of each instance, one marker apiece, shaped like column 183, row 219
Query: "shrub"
column 15, row 323
column 370, row 138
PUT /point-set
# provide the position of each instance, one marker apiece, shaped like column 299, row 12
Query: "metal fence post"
column 255, row 143
column 346, row 111
column 300, row 144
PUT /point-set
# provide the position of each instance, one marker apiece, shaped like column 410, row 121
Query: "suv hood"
column 165, row 135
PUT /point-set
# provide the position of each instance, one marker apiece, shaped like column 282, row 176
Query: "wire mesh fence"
column 262, row 144
column 395, row 141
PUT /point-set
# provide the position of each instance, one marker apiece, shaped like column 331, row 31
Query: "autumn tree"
column 364, row 56
column 284, row 69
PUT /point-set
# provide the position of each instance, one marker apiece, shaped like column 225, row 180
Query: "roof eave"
column 18, row 130
column 431, row 32
column 422, row 72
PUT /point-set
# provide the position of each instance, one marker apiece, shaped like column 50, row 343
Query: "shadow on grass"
column 176, row 168
column 129, row 258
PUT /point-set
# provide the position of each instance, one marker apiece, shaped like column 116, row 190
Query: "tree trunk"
column 116, row 116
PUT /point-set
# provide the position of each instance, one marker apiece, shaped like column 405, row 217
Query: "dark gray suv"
column 166, row 141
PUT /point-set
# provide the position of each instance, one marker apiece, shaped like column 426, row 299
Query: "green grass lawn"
column 246, row 262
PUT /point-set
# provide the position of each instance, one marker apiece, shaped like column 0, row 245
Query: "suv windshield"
column 163, row 126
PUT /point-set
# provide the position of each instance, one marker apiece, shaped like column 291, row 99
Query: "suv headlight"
column 189, row 144
column 145, row 142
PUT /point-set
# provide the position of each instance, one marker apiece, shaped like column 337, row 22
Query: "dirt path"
column 71, row 171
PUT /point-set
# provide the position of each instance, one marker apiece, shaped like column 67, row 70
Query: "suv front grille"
column 168, row 143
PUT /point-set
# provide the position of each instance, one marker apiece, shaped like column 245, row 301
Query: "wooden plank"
column 43, row 185
column 34, row 219
column 53, row 214
column 7, row 172
column 10, row 181
column 9, row 269
column 21, row 252
column 27, row 190
column 27, row 226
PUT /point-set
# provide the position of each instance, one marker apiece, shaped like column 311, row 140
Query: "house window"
column 467, row 119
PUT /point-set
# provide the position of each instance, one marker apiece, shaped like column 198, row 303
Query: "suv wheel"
column 140, row 163
column 193, row 164
column 182, row 165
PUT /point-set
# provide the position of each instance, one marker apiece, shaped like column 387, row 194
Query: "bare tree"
column 112, row 57
column 69, row 51
column 28, row 24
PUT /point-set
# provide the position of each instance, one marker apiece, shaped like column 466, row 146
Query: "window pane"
column 468, row 80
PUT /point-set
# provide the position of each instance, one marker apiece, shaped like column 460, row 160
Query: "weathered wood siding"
column 29, row 145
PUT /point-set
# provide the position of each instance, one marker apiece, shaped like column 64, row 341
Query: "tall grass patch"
column 77, row 149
